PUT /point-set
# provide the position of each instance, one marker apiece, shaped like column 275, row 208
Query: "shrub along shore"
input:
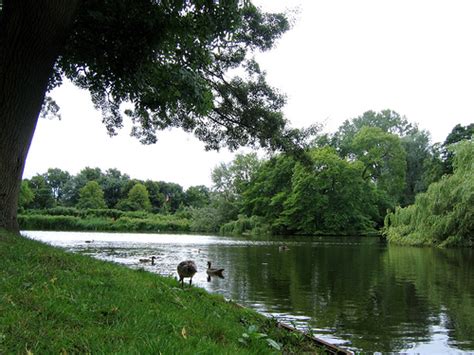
column 53, row 301
column 105, row 220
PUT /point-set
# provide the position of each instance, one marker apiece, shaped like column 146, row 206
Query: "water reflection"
column 357, row 293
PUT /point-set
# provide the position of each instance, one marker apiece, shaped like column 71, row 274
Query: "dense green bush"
column 56, row 211
column 96, row 220
column 246, row 225
column 110, row 213
column 157, row 223
column 46, row 222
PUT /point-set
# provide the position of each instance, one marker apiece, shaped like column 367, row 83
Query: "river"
column 358, row 293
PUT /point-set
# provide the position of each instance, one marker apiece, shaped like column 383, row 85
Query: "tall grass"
column 70, row 219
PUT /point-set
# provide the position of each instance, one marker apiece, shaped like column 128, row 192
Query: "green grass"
column 55, row 302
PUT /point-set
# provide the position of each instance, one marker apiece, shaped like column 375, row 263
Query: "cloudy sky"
column 342, row 58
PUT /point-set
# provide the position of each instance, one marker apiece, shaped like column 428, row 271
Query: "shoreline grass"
column 52, row 301
column 94, row 221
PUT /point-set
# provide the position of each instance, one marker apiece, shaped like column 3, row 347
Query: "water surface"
column 355, row 292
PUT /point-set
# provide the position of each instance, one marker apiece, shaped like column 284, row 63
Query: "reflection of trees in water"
column 379, row 299
column 444, row 278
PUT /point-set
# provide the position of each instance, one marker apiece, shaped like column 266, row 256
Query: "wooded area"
column 373, row 164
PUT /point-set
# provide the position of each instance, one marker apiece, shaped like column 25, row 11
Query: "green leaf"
column 274, row 344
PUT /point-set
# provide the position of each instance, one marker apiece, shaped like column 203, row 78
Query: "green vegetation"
column 137, row 200
column 330, row 197
column 345, row 185
column 444, row 215
column 56, row 302
column 244, row 225
column 91, row 196
column 71, row 219
column 178, row 64
column 374, row 163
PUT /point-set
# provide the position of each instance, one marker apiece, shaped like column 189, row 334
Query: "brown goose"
column 144, row 261
column 186, row 269
column 214, row 272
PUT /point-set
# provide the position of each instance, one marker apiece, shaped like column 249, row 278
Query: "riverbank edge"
column 54, row 301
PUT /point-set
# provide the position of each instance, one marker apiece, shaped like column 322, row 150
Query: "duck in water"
column 214, row 272
column 144, row 261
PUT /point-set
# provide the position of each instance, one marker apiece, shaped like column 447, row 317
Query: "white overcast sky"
column 341, row 58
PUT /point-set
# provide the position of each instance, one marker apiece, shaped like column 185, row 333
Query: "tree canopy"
column 138, row 199
column 384, row 160
column 444, row 214
column 330, row 197
column 91, row 196
column 169, row 60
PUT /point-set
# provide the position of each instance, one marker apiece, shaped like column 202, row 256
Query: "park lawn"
column 53, row 301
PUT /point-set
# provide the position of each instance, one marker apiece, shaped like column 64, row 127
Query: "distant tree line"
column 93, row 189
column 347, row 183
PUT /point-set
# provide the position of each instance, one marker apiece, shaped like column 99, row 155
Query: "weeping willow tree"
column 444, row 214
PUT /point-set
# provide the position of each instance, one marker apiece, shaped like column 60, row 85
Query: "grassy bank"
column 52, row 301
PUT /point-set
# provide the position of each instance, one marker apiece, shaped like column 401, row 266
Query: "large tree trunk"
column 32, row 33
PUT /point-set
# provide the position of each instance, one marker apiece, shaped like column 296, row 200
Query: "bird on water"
column 152, row 259
column 186, row 269
column 214, row 272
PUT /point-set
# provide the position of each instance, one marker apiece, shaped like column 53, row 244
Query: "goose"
column 152, row 259
column 283, row 248
column 214, row 272
column 186, row 269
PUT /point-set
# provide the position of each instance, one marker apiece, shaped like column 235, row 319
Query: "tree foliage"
column 329, row 197
column 71, row 190
column 387, row 120
column 415, row 143
column 328, row 193
column 269, row 189
column 418, row 159
column 43, row 195
column 113, row 183
column 26, row 195
column 166, row 197
column 57, row 179
column 197, row 196
column 91, row 196
column 185, row 64
column 384, row 160
column 234, row 177
column 137, row 200
column 457, row 134
column 169, row 60
column 444, row 215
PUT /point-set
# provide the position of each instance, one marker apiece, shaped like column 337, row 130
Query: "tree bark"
column 32, row 33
